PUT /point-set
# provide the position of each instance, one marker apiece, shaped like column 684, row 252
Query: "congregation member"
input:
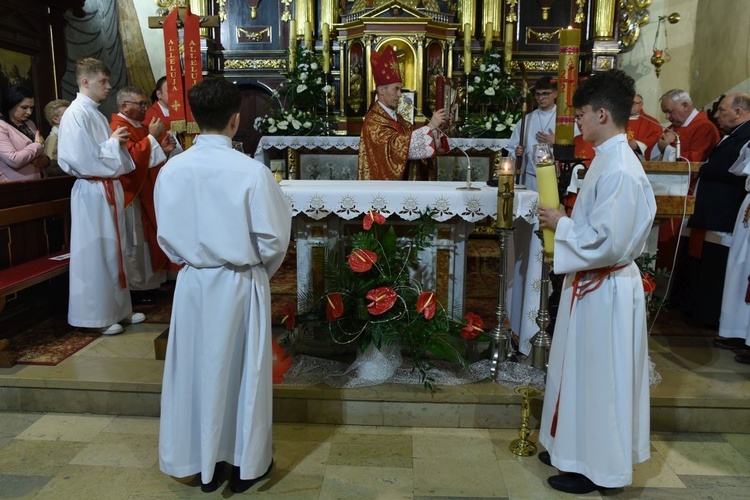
column 539, row 128
column 89, row 150
column 224, row 216
column 734, row 325
column 145, row 261
column 595, row 418
column 643, row 129
column 718, row 197
column 388, row 142
column 697, row 135
column 53, row 112
column 22, row 155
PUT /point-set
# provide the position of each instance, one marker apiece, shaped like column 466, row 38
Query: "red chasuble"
column 698, row 139
column 383, row 146
column 645, row 129
column 140, row 182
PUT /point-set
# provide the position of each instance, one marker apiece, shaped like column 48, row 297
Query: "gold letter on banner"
column 193, row 66
column 174, row 73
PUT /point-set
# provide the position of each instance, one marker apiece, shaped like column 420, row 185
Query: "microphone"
column 663, row 130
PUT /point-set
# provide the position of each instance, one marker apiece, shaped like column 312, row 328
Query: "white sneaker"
column 112, row 330
column 134, row 318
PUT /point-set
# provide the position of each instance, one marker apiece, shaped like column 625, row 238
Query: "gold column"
column 492, row 11
column 420, row 64
column 367, row 41
column 328, row 12
column 604, row 23
column 469, row 13
column 304, row 11
column 200, row 8
column 449, row 71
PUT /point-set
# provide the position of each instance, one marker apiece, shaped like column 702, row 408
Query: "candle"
column 488, row 36
column 505, row 171
column 308, row 35
column 567, row 81
column 326, row 51
column 439, row 92
column 467, row 48
column 292, row 42
column 509, row 48
column 549, row 197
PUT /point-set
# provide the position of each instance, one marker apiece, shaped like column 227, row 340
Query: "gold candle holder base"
column 522, row 447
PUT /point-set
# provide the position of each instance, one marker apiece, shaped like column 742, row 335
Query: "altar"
column 325, row 212
column 334, row 157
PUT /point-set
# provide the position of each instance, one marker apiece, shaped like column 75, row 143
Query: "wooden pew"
column 34, row 228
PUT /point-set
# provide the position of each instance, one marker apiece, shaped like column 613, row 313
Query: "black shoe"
column 141, row 298
column 213, row 484
column 729, row 343
column 545, row 458
column 238, row 485
column 572, row 482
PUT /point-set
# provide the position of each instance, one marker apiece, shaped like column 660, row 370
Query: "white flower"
column 488, row 125
column 482, row 67
column 495, row 81
column 272, row 129
column 303, row 77
column 314, row 66
column 307, row 125
column 327, row 89
column 319, row 80
column 477, row 79
column 283, row 125
column 469, row 88
column 301, row 88
column 500, row 127
column 509, row 121
column 271, row 120
column 489, row 91
column 296, row 124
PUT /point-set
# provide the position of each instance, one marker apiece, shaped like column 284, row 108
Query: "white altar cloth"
column 351, row 143
column 329, row 201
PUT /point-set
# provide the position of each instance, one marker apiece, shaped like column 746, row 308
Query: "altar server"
column 595, row 419
column 388, row 141
column 88, row 149
column 222, row 215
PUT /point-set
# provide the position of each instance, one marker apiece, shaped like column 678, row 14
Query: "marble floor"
column 69, row 455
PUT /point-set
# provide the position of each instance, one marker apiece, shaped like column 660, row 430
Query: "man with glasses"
column 643, row 130
column 697, row 134
column 539, row 129
column 144, row 260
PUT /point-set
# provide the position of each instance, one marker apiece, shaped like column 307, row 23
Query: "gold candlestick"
column 522, row 447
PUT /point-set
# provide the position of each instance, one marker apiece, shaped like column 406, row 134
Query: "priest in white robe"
column 595, row 419
column 222, row 215
column 90, row 150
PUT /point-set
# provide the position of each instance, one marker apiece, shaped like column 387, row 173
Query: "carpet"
column 49, row 342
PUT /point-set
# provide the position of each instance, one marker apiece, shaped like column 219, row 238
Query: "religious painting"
column 15, row 69
column 406, row 106
column 453, row 168
column 328, row 167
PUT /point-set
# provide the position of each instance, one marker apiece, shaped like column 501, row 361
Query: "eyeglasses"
column 542, row 95
column 141, row 104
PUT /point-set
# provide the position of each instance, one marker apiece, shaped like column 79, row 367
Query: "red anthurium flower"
column 382, row 299
column 372, row 216
column 334, row 307
column 473, row 328
column 289, row 319
column 649, row 285
column 426, row 304
column 361, row 260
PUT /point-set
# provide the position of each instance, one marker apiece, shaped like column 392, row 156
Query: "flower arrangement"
column 299, row 98
column 372, row 298
column 494, row 125
column 491, row 85
column 649, row 275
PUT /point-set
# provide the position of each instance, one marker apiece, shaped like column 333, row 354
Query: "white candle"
column 292, row 42
column 308, row 35
column 488, row 36
column 467, row 48
column 549, row 197
column 505, row 172
column 326, row 52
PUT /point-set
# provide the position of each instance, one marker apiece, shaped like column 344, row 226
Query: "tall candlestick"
column 488, row 37
column 467, row 48
column 308, row 35
column 292, row 42
column 549, row 197
column 567, row 82
column 326, row 51
column 505, row 171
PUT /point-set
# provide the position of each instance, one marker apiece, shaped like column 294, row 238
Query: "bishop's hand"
column 437, row 119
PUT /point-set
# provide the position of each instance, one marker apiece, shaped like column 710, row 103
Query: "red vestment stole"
column 140, row 182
